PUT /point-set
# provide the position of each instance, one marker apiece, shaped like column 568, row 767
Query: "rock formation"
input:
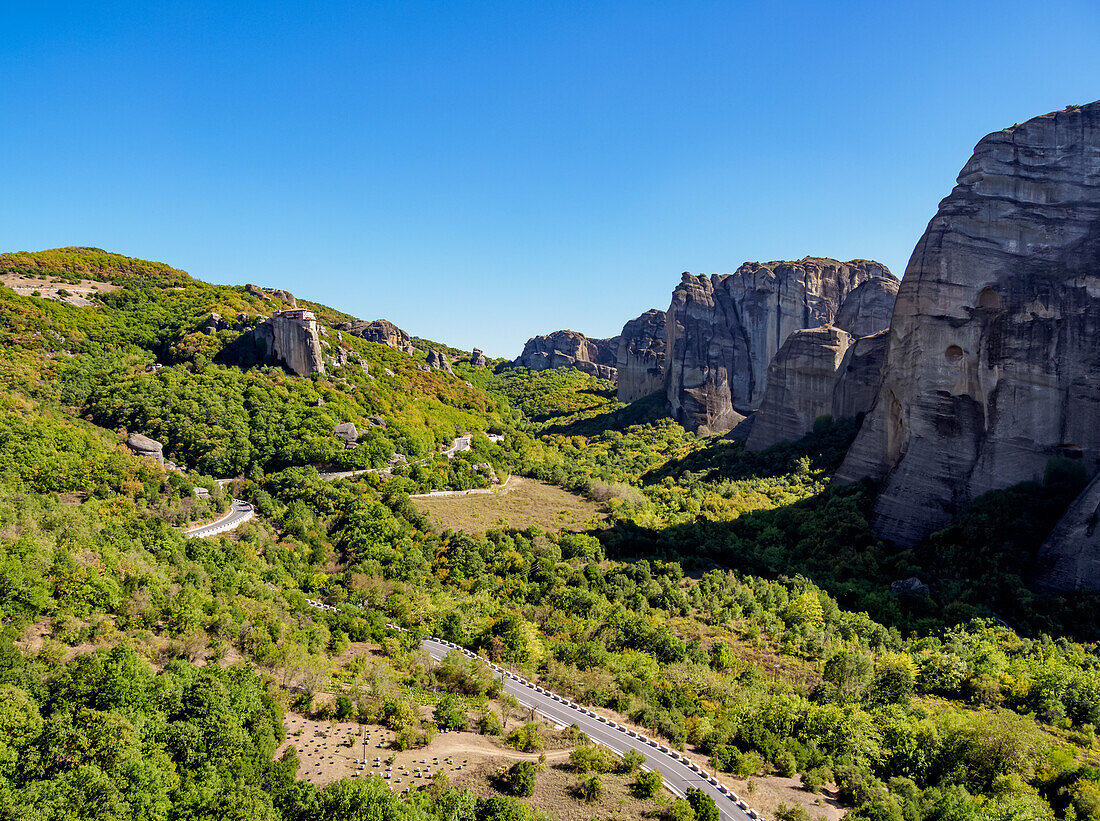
column 439, row 361
column 724, row 330
column 818, row 372
column 144, row 446
column 1070, row 557
column 255, row 290
column 348, row 432
column 640, row 361
column 569, row 349
column 290, row 338
column 801, row 380
column 477, row 358
column 993, row 360
column 868, row 309
column 381, row 331
column 285, row 296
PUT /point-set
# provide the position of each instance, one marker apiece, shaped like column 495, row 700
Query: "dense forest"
column 735, row 604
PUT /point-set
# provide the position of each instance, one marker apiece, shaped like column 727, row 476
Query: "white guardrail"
column 225, row 523
column 710, row 777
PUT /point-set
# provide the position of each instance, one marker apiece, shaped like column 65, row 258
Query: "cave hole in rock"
column 953, row 354
column 989, row 299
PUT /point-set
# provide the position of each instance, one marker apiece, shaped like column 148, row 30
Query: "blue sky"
column 482, row 172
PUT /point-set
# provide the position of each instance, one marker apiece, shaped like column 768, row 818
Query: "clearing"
column 525, row 502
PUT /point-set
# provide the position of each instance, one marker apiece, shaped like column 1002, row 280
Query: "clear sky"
column 482, row 172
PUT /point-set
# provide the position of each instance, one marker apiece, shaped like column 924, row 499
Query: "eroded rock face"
column 144, row 446
column 724, row 330
column 477, row 358
column 868, row 309
column 570, row 349
column 801, row 380
column 1070, row 557
column 439, row 361
column 640, row 359
column 859, row 376
column 380, row 330
column 993, row 361
column 291, row 341
column 285, row 296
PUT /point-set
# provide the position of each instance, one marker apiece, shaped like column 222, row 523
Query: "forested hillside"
column 736, row 604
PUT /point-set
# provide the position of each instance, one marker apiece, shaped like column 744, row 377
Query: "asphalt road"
column 679, row 773
column 239, row 512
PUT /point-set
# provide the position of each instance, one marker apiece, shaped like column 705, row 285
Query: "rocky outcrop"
column 477, row 359
column 348, row 432
column 285, row 296
column 723, row 331
column 214, row 324
column 290, row 338
column 144, row 446
column 993, row 360
column 1070, row 557
column 868, row 309
column 381, row 331
column 569, row 349
column 439, row 362
column 256, row 290
column 801, row 381
column 818, row 372
column 640, row 359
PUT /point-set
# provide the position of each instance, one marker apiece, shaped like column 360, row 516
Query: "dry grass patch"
column 524, row 503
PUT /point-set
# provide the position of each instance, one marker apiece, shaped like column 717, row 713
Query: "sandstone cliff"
column 640, row 360
column 381, row 331
column 723, row 331
column 993, row 360
column 1070, row 558
column 868, row 309
column 801, row 380
column 569, row 349
column 859, row 376
column 292, row 341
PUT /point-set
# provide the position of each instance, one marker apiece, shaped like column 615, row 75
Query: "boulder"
column 285, row 296
column 214, row 324
column 255, row 290
column 723, row 331
column 348, row 432
column 381, row 331
column 640, row 357
column 477, row 359
column 993, row 356
column 377, row 421
column 144, row 446
column 439, row 361
column 1070, row 558
column 570, row 349
column 909, row 587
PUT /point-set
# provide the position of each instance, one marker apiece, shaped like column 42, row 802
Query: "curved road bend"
column 239, row 513
column 679, row 773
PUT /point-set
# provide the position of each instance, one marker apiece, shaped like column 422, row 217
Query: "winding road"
column 240, row 512
column 678, row 771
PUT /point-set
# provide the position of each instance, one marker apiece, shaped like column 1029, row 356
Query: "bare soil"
column 525, row 502
column 80, row 294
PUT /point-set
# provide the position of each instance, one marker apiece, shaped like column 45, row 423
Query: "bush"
column 519, row 779
column 813, row 780
column 678, row 810
column 591, row 788
column 647, row 785
column 592, row 759
column 449, row 714
column 489, row 724
column 792, row 813
column 632, row 760
column 344, row 707
column 785, row 765
column 526, row 738
column 747, row 764
column 703, row 805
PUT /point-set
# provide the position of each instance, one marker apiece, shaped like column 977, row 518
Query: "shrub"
column 703, row 805
column 785, row 765
column 591, row 788
column 449, row 714
column 489, row 724
column 678, row 810
column 632, row 760
column 519, row 779
column 647, row 785
column 526, row 738
column 344, row 707
column 592, row 759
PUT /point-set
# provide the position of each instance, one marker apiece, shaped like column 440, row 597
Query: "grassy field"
column 525, row 502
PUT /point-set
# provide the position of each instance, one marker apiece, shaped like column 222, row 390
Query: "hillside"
column 736, row 604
